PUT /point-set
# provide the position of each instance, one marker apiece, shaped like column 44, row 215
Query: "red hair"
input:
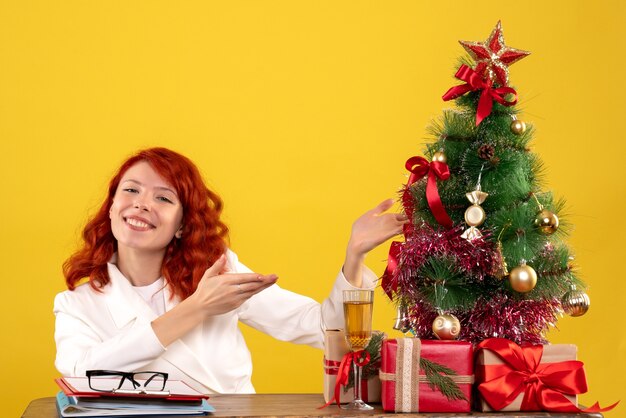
column 203, row 236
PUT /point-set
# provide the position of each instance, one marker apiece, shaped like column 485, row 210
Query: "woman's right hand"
column 220, row 292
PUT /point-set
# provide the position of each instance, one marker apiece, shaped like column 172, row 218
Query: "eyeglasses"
column 136, row 383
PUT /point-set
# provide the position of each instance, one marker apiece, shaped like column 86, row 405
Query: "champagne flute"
column 357, row 310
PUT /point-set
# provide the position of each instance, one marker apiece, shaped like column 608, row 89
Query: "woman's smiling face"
column 146, row 212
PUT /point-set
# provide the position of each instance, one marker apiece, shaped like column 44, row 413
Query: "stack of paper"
column 77, row 400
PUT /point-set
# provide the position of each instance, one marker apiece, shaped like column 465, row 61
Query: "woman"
column 165, row 293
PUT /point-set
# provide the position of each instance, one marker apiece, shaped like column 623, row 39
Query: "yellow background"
column 301, row 115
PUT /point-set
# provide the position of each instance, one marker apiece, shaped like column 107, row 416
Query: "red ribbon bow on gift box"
column 544, row 385
column 473, row 81
column 361, row 358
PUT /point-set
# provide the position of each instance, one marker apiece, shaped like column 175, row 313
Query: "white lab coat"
column 111, row 330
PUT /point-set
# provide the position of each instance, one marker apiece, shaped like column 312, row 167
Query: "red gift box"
column 494, row 362
column 405, row 386
column 531, row 377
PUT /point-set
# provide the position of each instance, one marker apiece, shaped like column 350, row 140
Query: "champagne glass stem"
column 357, row 382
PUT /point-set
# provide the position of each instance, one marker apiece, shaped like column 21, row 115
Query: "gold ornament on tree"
column 518, row 127
column 501, row 270
column 523, row 278
column 546, row 221
column 439, row 156
column 575, row 302
column 475, row 214
column 403, row 322
column 446, row 327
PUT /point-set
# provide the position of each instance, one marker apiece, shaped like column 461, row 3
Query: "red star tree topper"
column 493, row 57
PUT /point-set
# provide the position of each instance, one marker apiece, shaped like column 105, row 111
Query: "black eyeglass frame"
column 130, row 376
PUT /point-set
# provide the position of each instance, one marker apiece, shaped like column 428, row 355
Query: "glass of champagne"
column 357, row 309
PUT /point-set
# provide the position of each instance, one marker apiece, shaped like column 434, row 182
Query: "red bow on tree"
column 473, row 82
column 419, row 167
column 388, row 281
column 544, row 385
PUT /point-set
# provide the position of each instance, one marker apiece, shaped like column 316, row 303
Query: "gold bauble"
column 446, row 327
column 518, row 127
column 575, row 303
column 547, row 222
column 440, row 157
column 523, row 278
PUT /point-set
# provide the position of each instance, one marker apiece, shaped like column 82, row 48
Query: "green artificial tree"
column 484, row 253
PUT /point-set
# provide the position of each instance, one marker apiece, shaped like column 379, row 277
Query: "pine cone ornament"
column 486, row 152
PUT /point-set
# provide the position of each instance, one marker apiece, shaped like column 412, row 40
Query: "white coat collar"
column 125, row 306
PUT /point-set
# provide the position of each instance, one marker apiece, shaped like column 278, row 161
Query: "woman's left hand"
column 369, row 231
column 375, row 227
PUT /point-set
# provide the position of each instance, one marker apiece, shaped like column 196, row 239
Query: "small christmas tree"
column 483, row 254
